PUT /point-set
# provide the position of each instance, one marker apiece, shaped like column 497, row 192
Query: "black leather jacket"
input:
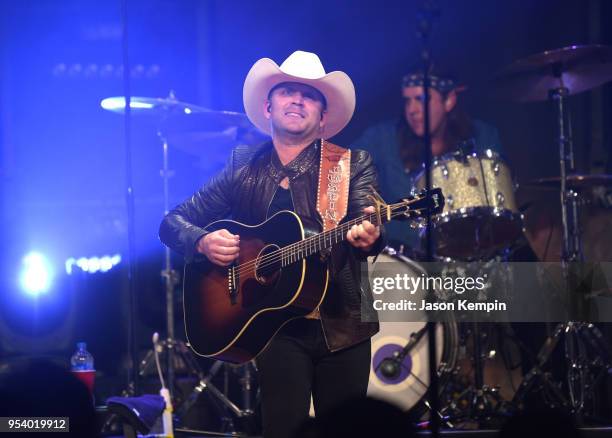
column 244, row 189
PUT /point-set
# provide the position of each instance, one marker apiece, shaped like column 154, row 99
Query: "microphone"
column 390, row 367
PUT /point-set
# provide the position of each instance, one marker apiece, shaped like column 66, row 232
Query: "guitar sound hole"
column 268, row 265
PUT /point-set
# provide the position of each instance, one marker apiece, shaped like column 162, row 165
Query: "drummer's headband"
column 443, row 85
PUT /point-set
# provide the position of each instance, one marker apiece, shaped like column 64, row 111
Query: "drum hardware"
column 227, row 407
column 576, row 182
column 446, row 420
column 555, row 75
column 390, row 366
column 398, row 362
column 578, row 68
column 477, row 401
column 480, row 394
column 579, row 338
column 169, row 114
column 485, row 401
column 482, row 402
column 408, row 383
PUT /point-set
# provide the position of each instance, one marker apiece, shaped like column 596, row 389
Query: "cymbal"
column 175, row 112
column 155, row 106
column 577, row 68
column 575, row 181
column 191, row 128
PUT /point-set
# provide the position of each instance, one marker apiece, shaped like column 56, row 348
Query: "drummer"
column 397, row 145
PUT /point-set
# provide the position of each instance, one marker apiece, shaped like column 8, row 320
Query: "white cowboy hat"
column 305, row 68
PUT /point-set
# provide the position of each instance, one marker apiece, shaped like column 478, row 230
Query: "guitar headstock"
column 416, row 206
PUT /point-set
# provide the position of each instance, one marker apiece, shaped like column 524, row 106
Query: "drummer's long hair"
column 412, row 148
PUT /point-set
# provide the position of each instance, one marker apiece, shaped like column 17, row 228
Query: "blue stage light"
column 36, row 274
column 92, row 264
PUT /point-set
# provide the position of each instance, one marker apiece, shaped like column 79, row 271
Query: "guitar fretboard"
column 299, row 250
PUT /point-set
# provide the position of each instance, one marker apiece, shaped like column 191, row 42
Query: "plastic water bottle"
column 82, row 366
column 81, row 360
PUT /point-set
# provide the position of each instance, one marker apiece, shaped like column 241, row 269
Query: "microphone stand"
column 390, row 366
column 132, row 375
column 426, row 15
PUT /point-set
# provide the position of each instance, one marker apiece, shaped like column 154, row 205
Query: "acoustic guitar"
column 232, row 313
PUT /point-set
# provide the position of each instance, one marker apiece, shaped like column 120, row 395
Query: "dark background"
column 62, row 168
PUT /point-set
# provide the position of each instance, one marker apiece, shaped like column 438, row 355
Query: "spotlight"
column 36, row 274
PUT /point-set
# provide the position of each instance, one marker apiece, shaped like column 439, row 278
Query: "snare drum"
column 480, row 215
column 409, row 388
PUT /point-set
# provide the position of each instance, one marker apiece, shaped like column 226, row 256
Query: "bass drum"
column 409, row 388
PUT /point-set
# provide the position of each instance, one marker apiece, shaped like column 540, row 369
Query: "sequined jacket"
column 243, row 191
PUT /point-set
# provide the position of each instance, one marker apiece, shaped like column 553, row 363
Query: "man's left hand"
column 364, row 235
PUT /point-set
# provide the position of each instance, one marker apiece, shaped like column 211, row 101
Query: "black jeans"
column 297, row 363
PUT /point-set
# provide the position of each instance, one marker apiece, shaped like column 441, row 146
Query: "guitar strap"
column 333, row 187
column 332, row 190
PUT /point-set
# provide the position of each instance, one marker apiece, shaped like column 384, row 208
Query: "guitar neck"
column 413, row 206
column 327, row 239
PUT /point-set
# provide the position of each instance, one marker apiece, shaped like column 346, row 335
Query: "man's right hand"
column 220, row 247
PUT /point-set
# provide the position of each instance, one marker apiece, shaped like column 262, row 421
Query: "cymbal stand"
column 170, row 276
column 578, row 336
column 572, row 251
column 572, row 246
column 176, row 350
column 227, row 406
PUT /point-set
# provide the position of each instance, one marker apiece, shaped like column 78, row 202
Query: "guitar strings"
column 303, row 245
column 294, row 248
column 300, row 245
column 297, row 247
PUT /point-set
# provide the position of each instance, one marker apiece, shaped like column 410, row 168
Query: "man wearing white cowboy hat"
column 328, row 353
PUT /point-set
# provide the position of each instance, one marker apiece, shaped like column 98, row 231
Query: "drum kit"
column 481, row 221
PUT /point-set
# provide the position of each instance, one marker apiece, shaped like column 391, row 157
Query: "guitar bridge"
column 233, row 281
